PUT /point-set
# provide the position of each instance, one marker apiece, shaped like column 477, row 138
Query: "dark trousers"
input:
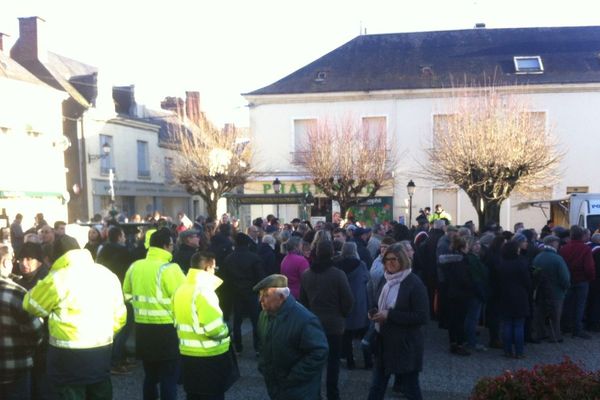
column 593, row 307
column 95, row 391
column 118, row 351
column 409, row 384
column 193, row 396
column 163, row 373
column 513, row 333
column 20, row 389
column 492, row 318
column 574, row 307
column 245, row 306
column 347, row 348
column 457, row 313
column 550, row 312
column 333, row 366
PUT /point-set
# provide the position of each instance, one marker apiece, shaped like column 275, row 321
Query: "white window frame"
column 523, row 71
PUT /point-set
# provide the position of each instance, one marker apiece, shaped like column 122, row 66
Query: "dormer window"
column 529, row 65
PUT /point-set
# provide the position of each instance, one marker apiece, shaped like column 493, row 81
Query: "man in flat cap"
column 293, row 346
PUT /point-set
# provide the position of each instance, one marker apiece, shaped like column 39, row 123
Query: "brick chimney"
column 192, row 107
column 31, row 43
column 174, row 104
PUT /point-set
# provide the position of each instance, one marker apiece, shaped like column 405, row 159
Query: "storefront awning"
column 249, row 199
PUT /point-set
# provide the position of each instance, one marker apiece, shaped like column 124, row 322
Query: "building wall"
column 570, row 114
column 144, row 194
column 32, row 144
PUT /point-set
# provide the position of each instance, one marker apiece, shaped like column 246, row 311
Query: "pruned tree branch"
column 490, row 144
column 346, row 158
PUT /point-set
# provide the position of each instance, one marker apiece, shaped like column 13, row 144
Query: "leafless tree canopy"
column 212, row 161
column 489, row 144
column 346, row 158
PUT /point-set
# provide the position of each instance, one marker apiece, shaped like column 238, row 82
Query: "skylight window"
column 529, row 65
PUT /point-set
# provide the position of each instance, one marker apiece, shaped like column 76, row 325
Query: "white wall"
column 31, row 141
column 571, row 116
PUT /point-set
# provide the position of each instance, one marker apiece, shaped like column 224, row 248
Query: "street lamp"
column 105, row 152
column 277, row 189
column 410, row 188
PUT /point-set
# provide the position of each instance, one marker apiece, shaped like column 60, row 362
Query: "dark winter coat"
column 515, row 288
column 269, row 259
column 358, row 277
column 458, row 280
column 242, row 269
column 183, row 256
column 401, row 342
column 552, row 272
column 293, row 351
column 116, row 258
column 325, row 291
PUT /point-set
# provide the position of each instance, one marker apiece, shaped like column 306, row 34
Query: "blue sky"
column 227, row 47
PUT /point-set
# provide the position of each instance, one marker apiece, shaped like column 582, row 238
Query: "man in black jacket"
column 115, row 256
column 241, row 270
column 189, row 243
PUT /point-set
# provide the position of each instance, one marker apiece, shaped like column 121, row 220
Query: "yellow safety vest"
column 149, row 284
column 198, row 318
column 82, row 300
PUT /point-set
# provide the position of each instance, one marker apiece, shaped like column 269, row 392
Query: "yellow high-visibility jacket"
column 82, row 300
column 150, row 284
column 198, row 318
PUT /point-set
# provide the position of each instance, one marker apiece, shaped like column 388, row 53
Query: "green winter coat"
column 293, row 351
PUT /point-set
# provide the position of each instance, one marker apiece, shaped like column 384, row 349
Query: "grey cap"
column 275, row 280
column 451, row 228
column 188, row 233
column 551, row 239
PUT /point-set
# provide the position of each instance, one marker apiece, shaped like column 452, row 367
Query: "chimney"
column 480, row 25
column 192, row 107
column 124, row 98
column 2, row 40
column 174, row 104
column 31, row 43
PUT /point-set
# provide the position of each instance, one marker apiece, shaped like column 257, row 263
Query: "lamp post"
column 105, row 152
column 277, row 189
column 410, row 188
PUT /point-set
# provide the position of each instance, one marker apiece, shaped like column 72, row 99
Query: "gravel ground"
column 444, row 377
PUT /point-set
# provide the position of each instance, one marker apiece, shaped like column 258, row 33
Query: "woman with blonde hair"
column 402, row 312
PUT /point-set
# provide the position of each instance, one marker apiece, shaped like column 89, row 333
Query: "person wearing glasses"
column 402, row 312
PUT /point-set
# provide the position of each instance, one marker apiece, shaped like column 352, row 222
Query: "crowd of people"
column 313, row 294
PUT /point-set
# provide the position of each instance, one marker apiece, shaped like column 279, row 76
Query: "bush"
column 564, row 381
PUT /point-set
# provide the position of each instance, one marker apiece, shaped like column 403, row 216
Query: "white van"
column 581, row 209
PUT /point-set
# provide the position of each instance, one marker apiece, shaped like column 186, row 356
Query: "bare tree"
column 347, row 158
column 489, row 144
column 212, row 162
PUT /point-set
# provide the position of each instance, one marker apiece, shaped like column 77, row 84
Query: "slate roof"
column 62, row 73
column 443, row 59
column 11, row 69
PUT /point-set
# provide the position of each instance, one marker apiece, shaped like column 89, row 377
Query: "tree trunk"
column 490, row 213
column 211, row 208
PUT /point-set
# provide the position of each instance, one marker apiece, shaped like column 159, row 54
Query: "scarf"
column 389, row 293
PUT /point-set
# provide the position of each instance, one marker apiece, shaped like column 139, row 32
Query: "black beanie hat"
column 31, row 250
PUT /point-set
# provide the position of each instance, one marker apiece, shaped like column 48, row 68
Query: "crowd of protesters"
column 343, row 282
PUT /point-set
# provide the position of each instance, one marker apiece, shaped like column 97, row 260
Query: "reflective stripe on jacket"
column 150, row 284
column 198, row 318
column 82, row 300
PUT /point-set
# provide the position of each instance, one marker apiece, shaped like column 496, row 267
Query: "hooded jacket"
column 326, row 292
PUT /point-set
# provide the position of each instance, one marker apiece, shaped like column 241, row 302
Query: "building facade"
column 404, row 82
column 33, row 145
column 90, row 114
